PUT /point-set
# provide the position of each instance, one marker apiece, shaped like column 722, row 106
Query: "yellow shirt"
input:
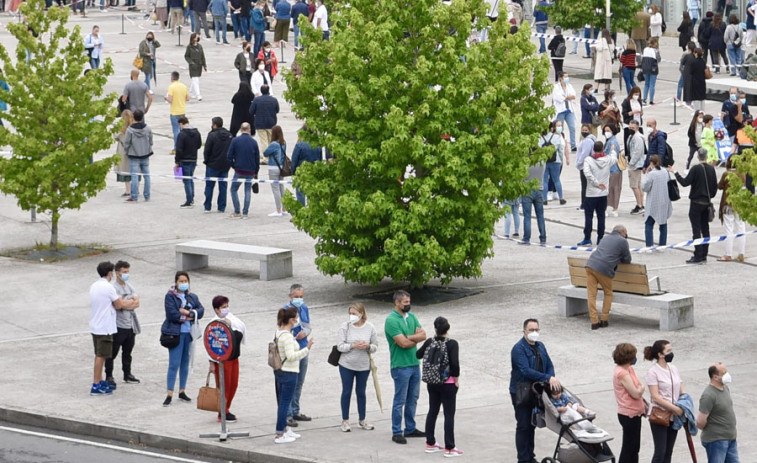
column 179, row 93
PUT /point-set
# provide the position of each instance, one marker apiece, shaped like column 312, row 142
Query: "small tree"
column 59, row 120
column 429, row 137
column 742, row 200
column 575, row 14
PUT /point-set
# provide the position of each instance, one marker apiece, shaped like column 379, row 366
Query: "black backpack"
column 668, row 161
column 436, row 362
column 553, row 158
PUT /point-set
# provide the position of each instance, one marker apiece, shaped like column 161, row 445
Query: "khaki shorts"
column 634, row 178
column 103, row 345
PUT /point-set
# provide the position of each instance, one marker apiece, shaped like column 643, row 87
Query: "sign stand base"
column 223, row 435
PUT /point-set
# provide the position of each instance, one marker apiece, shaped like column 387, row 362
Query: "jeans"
column 296, row 34
column 235, row 196
column 649, row 82
column 721, row 451
column 628, row 77
column 513, row 216
column 259, row 37
column 188, row 169
column 524, row 432
column 649, row 232
column 664, row 439
column 237, row 25
column 552, row 170
column 679, row 90
column 569, row 118
column 123, row 338
column 584, row 183
column 244, row 25
column 190, row 14
column 700, row 228
column 360, row 378
column 598, row 204
column 219, row 24
column 286, row 382
column 441, row 395
column 137, row 165
column 629, row 452
column 534, row 197
column 94, row 63
column 294, row 408
column 542, row 29
column 147, row 82
column 178, row 360
column 407, row 384
column 201, row 21
column 299, row 194
column 210, row 185
column 175, row 128
column 734, row 56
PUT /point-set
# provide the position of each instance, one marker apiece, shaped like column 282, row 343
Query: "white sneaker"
column 291, row 433
column 345, row 427
column 275, row 214
column 453, row 453
column 285, row 439
column 614, row 213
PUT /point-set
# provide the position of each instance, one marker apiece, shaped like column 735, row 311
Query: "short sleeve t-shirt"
column 179, row 93
column 658, row 376
column 721, row 419
column 322, row 14
column 125, row 318
column 394, row 325
column 627, row 405
column 102, row 318
column 135, row 91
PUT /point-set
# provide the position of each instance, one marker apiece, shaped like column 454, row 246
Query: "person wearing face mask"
column 127, row 324
column 301, row 331
column 655, row 22
column 356, row 340
column 147, row 52
column 182, row 308
column 597, row 172
column 629, row 395
column 589, row 107
column 695, row 135
column 665, row 389
column 195, row 58
column 230, row 366
column 104, row 301
column 731, row 113
column 659, row 207
column 650, row 67
column 564, row 99
column 244, row 62
column 694, row 82
column 530, row 363
column 612, row 148
column 584, row 151
column 260, row 77
column 717, row 418
column 403, row 332
column 271, row 63
column 609, row 113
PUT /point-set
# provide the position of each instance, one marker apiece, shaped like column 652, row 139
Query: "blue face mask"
column 125, row 277
column 183, row 286
column 742, row 100
column 733, row 97
column 566, row 80
column 297, row 302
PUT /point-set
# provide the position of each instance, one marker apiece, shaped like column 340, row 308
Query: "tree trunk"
column 54, row 231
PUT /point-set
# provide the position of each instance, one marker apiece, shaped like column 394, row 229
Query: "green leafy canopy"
column 58, row 117
column 575, row 14
column 400, row 200
column 742, row 200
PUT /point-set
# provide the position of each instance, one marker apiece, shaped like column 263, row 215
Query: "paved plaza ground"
column 46, row 350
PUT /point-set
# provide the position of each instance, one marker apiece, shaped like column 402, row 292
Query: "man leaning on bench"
column 600, row 269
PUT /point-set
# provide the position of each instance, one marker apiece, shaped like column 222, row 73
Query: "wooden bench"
column 630, row 286
column 275, row 263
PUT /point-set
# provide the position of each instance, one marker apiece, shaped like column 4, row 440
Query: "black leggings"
column 629, row 452
column 716, row 61
column 438, row 395
column 664, row 439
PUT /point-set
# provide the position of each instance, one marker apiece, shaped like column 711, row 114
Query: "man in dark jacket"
column 138, row 148
column 188, row 143
column 244, row 157
column 704, row 186
column 703, row 34
column 600, row 269
column 657, row 144
column 303, row 153
column 299, row 9
column 216, row 147
column 199, row 9
column 264, row 109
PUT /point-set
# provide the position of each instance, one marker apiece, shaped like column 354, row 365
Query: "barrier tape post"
column 281, row 45
column 123, row 19
column 675, row 106
column 179, row 35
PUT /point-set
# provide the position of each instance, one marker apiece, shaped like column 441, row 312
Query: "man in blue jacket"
column 257, row 24
column 658, row 142
column 219, row 9
column 530, row 363
column 244, row 157
column 303, row 153
column 299, row 9
column 264, row 110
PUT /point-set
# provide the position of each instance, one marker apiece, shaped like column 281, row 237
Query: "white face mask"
column 727, row 378
column 354, row 318
column 261, row 67
column 700, row 120
column 638, row 97
column 608, row 134
column 224, row 312
column 533, row 336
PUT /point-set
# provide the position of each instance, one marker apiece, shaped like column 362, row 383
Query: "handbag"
column 169, row 341
column 334, row 356
column 523, row 395
column 209, row 398
column 710, row 206
column 673, row 193
column 138, row 62
column 194, row 328
column 274, row 358
column 595, row 119
column 707, row 73
column 255, row 186
column 660, row 416
column 622, row 162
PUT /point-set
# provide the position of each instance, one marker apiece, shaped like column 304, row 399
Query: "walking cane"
column 690, row 442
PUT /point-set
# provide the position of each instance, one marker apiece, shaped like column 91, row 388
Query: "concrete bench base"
column 275, row 263
column 676, row 310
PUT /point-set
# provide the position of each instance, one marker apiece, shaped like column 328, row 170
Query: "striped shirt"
column 290, row 351
column 356, row 359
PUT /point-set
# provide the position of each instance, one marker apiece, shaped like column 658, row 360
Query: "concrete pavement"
column 46, row 353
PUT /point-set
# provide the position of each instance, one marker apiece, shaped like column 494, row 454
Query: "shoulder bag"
column 659, row 415
column 274, row 357
column 285, row 170
column 673, row 193
column 138, row 62
column 169, row 341
column 209, row 398
column 710, row 206
column 707, row 73
column 335, row 354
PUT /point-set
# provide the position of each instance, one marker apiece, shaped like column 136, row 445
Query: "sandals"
column 740, row 258
column 725, row 259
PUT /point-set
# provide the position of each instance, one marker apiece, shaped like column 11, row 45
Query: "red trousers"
column 230, row 380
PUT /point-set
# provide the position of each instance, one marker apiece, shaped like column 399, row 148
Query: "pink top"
column 627, row 405
column 450, row 380
column 660, row 377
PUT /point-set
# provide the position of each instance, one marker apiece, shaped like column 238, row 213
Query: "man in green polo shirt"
column 403, row 332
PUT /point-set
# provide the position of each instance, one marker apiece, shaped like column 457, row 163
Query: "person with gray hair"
column 301, row 331
column 600, row 269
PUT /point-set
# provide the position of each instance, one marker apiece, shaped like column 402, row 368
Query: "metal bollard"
column 675, row 106
column 123, row 32
column 281, row 46
column 179, row 34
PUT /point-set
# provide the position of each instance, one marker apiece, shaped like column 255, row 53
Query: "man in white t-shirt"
column 104, row 301
column 321, row 19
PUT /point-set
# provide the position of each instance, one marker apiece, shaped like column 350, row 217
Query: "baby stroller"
column 578, row 446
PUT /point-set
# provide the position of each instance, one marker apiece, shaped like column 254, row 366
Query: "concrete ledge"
column 204, row 448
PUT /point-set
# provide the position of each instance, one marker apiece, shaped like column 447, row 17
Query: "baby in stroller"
column 570, row 412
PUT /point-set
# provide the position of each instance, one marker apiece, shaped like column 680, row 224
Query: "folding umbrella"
column 376, row 385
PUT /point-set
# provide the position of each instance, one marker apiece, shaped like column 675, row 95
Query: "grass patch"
column 41, row 252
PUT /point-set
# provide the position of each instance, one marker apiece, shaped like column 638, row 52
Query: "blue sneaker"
column 584, row 243
column 97, row 390
column 107, row 386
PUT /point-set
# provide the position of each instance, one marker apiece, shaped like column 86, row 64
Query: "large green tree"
column 575, row 14
column 742, row 200
column 57, row 118
column 429, row 136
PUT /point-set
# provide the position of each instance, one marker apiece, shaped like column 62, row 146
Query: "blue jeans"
column 296, row 34
column 348, row 378
column 513, row 216
column 188, row 169
column 587, row 35
column 188, row 12
column 175, row 128
column 407, row 385
column 649, row 232
column 236, row 24
column 147, row 81
column 235, row 195
column 735, row 56
column 542, row 29
column 210, row 185
column 294, row 408
column 569, row 118
column 219, row 24
column 286, row 382
column 552, row 170
column 536, row 199
column 178, row 360
column 137, row 165
column 94, row 63
column 628, row 77
column 649, row 82
column 679, row 90
column 244, row 25
column 721, row 451
column 258, row 42
column 591, row 205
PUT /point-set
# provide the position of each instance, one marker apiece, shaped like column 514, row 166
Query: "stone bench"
column 275, row 263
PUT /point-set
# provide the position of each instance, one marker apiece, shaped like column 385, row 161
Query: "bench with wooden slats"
column 629, row 278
